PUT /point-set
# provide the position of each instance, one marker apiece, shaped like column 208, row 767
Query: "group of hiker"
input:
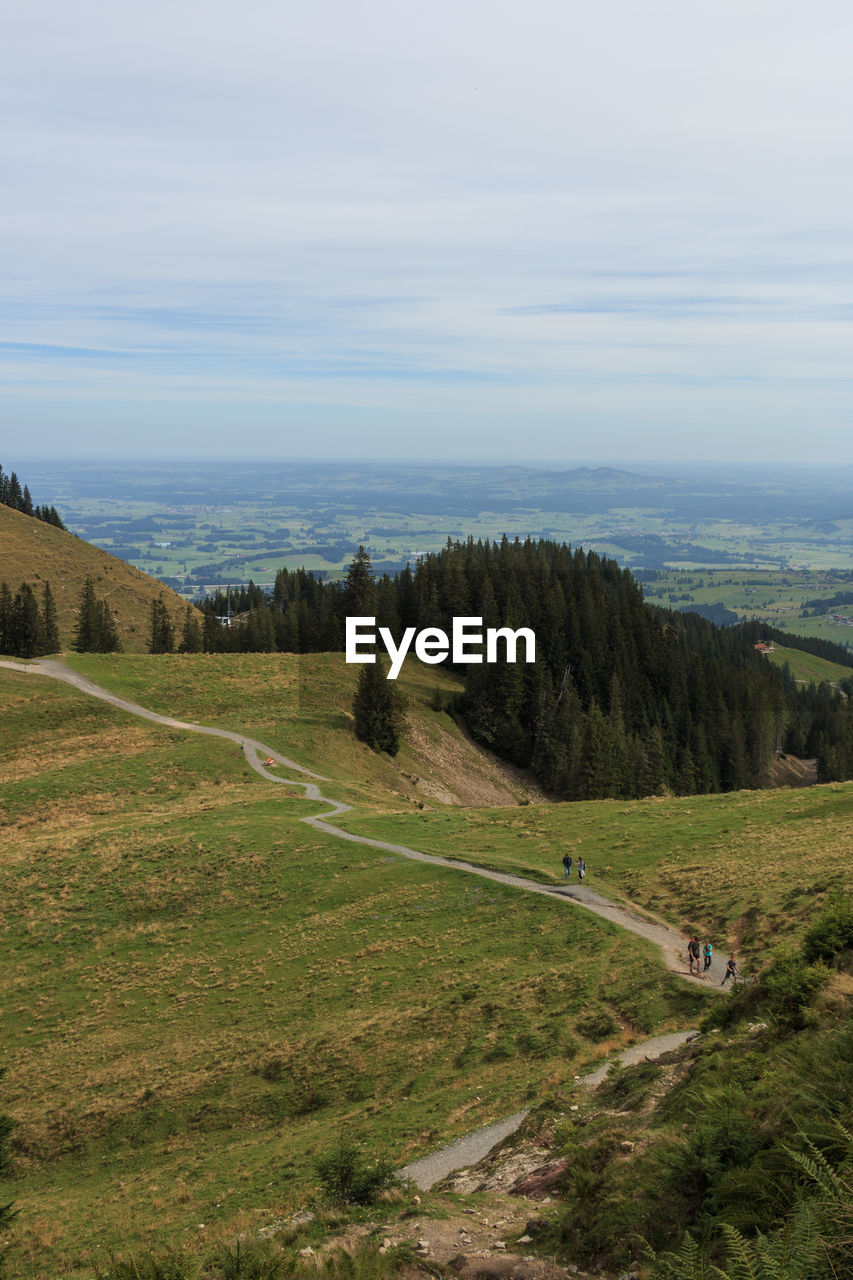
column 699, row 956
column 580, row 867
column 702, row 956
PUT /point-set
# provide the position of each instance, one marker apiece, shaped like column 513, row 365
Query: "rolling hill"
column 201, row 994
column 34, row 552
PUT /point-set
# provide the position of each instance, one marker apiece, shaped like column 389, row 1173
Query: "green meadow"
column 741, row 868
column 201, row 994
column 808, row 668
column 773, row 596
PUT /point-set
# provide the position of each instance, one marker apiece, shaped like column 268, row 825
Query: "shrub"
column 348, row 1176
column 597, row 1024
column 790, row 988
column 785, row 994
column 830, row 939
column 628, row 1087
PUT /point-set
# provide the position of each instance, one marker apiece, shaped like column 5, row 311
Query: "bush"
column 790, row 987
column 785, row 993
column 830, row 939
column 348, row 1176
column 628, row 1087
column 596, row 1025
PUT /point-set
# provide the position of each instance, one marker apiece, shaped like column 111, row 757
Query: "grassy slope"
column 808, row 666
column 741, row 868
column 37, row 553
column 301, row 704
column 200, row 992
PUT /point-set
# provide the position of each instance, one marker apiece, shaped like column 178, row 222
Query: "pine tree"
column 108, row 641
column 191, row 639
column 49, row 629
column 359, row 589
column 162, row 635
column 378, row 709
column 87, row 636
column 25, row 624
column 5, row 617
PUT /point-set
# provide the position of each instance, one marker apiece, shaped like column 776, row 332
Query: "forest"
column 17, row 496
column 625, row 699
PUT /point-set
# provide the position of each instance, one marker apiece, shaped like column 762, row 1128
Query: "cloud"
column 445, row 213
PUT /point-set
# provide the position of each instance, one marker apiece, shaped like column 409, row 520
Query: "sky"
column 545, row 233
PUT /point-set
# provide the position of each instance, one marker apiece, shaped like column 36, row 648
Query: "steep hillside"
column 302, row 702
column 808, row 668
column 34, row 552
column 201, row 994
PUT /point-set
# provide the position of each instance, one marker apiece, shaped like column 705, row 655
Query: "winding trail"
column 475, row 1146
column 670, row 942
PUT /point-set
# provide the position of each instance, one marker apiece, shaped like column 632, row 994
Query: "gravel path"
column 476, row 1146
column 473, row 1148
column 670, row 942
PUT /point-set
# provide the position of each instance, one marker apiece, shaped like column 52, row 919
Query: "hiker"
column 581, row 869
column 708, row 953
column 732, row 971
column 567, row 863
column 693, row 954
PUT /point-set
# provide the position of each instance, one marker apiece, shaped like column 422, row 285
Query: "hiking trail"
column 671, row 943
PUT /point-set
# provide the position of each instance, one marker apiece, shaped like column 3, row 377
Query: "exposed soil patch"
column 465, row 773
column 790, row 771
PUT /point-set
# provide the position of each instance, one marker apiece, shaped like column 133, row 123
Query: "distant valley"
column 206, row 524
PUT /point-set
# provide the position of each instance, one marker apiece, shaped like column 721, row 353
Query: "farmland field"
column 198, row 526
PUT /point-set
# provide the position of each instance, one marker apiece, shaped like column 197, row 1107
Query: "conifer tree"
column 25, row 624
column 5, row 618
column 359, row 589
column 49, row 629
column 108, row 641
column 87, row 635
column 191, row 639
column 378, row 709
column 162, row 634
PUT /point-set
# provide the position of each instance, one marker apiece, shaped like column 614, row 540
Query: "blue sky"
column 551, row 233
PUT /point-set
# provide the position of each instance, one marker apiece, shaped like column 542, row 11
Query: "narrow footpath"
column 671, row 943
column 474, row 1147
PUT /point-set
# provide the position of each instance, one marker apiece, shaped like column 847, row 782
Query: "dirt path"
column 670, row 942
column 475, row 1146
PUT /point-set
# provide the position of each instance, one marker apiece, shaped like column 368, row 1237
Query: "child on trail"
column 581, row 869
column 693, row 954
column 707, row 952
column 732, row 971
column 567, row 863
